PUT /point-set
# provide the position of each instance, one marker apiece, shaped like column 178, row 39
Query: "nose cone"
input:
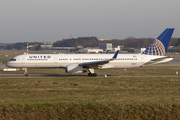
column 8, row 64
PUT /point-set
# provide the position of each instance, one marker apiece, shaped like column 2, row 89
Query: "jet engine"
column 75, row 68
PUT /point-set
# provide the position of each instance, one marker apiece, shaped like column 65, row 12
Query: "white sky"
column 51, row 20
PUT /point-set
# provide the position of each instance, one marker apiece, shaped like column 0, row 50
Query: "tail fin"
column 159, row 45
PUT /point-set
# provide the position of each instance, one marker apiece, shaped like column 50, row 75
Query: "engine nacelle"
column 75, row 68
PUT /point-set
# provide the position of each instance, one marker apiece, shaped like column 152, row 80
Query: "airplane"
column 81, row 63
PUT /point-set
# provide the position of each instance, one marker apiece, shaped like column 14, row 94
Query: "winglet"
column 115, row 55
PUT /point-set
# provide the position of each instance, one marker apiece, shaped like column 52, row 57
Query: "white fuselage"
column 63, row 60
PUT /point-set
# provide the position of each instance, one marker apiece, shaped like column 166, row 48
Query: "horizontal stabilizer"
column 159, row 60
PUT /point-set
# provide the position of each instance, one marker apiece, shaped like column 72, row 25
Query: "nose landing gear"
column 25, row 72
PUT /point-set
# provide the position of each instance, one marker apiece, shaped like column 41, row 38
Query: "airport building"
column 173, row 49
column 65, row 49
column 115, row 48
column 110, row 47
column 90, row 50
column 105, row 46
column 139, row 50
column 46, row 47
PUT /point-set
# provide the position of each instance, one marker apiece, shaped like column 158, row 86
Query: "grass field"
column 90, row 98
column 108, row 90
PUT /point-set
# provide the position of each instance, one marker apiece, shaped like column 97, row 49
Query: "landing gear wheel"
column 90, row 74
column 94, row 74
column 26, row 75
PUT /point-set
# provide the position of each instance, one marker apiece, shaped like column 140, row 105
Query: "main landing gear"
column 91, row 72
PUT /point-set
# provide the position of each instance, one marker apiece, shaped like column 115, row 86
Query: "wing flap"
column 94, row 64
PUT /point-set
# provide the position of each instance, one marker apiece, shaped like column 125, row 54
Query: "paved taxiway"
column 14, row 75
column 174, row 63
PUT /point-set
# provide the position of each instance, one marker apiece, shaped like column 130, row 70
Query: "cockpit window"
column 13, row 60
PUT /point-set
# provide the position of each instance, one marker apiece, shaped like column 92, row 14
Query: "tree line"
column 20, row 46
column 94, row 42
column 89, row 42
column 81, row 41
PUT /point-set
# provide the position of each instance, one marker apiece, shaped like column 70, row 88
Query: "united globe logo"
column 155, row 48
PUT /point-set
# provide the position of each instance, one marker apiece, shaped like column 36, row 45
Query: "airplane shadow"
column 58, row 75
column 55, row 75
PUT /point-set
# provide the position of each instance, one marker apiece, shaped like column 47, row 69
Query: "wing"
column 96, row 64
